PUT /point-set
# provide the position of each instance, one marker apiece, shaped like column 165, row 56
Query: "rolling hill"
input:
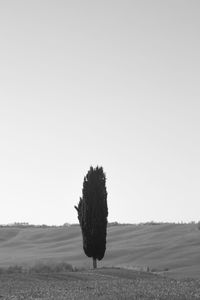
column 168, row 248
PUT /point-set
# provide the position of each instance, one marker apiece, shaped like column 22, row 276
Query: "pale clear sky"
column 109, row 83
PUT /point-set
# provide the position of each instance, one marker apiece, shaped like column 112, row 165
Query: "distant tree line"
column 109, row 224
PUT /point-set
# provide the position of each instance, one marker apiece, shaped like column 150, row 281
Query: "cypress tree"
column 92, row 214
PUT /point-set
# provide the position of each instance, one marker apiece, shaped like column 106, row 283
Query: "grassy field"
column 169, row 249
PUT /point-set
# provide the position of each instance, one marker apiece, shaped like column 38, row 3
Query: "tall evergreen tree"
column 92, row 214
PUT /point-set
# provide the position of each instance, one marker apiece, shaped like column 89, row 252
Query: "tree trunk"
column 94, row 263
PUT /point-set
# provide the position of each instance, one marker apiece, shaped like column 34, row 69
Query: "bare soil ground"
column 106, row 283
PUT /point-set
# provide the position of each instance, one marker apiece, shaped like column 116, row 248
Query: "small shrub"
column 51, row 268
column 154, row 270
column 198, row 225
column 166, row 269
column 14, row 269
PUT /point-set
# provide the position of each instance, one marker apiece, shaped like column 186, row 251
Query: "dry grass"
column 99, row 284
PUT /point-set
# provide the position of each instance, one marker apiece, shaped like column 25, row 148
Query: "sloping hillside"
column 173, row 249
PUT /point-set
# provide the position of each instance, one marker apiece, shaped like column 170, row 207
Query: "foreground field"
column 100, row 284
column 172, row 250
